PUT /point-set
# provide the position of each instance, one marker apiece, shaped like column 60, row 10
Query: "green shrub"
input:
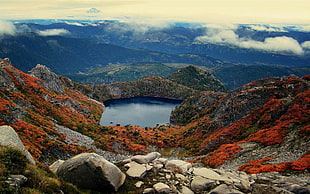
column 13, row 160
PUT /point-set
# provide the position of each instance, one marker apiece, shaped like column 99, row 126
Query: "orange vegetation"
column 259, row 166
column 219, row 156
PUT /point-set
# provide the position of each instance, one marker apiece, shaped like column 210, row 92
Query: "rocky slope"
column 196, row 78
column 260, row 127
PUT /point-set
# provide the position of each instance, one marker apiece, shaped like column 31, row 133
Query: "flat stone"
column 139, row 184
column 136, row 170
column 178, row 166
column 208, row 173
column 144, row 159
column 161, row 188
column 148, row 191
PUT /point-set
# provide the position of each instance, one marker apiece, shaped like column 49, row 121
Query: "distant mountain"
column 237, row 75
column 198, row 79
column 123, row 72
column 175, row 39
column 72, row 55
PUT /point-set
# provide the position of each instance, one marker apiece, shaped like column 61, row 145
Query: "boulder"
column 8, row 137
column 91, row 171
column 224, row 189
column 144, row 159
column 186, row 190
column 199, row 184
column 178, row 166
column 54, row 167
column 136, row 170
column 209, row 174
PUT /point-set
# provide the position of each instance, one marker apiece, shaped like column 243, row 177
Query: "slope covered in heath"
column 259, row 127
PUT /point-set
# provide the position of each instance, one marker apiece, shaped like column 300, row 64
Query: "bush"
column 12, row 160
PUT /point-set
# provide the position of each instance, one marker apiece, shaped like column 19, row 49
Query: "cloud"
column 303, row 28
column 74, row 23
column 7, row 28
column 306, row 45
column 267, row 28
column 227, row 35
column 53, row 32
column 93, row 11
column 138, row 27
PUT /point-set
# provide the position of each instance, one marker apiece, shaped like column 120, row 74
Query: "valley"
column 259, row 127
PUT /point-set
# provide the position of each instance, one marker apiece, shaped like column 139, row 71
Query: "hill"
column 198, row 79
column 122, row 72
column 262, row 126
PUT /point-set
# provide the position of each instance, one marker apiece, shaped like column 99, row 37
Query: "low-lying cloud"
column 306, row 45
column 53, row 32
column 267, row 28
column 7, row 28
column 225, row 34
column 138, row 27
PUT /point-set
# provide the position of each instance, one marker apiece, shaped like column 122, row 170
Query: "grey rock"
column 144, row 159
column 209, row 174
column 16, row 181
column 148, row 191
column 136, row 170
column 295, row 188
column 139, row 184
column 178, row 166
column 202, row 184
column 224, row 189
column 51, row 81
column 91, row 171
column 186, row 190
column 8, row 137
column 54, row 167
column 161, row 188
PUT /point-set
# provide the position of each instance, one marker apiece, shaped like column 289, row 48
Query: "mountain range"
column 92, row 52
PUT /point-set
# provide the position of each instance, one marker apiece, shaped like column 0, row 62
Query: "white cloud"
column 228, row 36
column 304, row 28
column 74, row 24
column 53, row 32
column 93, row 11
column 7, row 28
column 138, row 26
column 306, row 45
column 267, row 28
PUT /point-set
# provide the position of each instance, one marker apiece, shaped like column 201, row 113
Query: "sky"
column 205, row 11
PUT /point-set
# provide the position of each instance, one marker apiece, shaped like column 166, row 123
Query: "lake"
column 139, row 111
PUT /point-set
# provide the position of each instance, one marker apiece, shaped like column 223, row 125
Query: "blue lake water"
column 140, row 111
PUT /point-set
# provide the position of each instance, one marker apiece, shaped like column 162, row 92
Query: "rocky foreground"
column 153, row 174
